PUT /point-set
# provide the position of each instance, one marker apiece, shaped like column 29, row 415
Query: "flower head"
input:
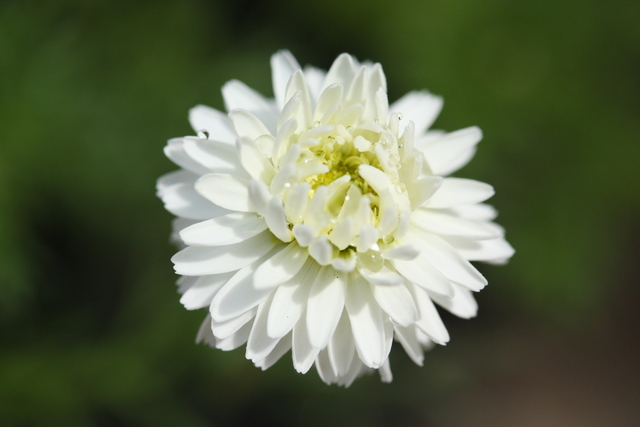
column 322, row 222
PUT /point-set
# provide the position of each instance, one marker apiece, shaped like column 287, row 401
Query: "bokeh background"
column 91, row 330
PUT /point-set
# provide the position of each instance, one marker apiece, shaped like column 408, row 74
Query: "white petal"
column 377, row 179
column 315, row 79
column 452, row 151
column 237, row 295
column 429, row 321
column 203, row 290
column 225, row 329
column 377, row 81
column 414, row 167
column 464, row 158
column 342, row 233
column 283, row 180
column 292, row 154
column 316, row 132
column 388, row 220
column 403, row 225
column 260, row 344
column 174, row 150
column 287, row 123
column 356, row 369
column 331, row 96
column 422, row 189
column 325, row 304
column 170, row 179
column 367, row 323
column 204, row 333
column 409, row 341
column 382, row 105
column 283, row 151
column 336, row 192
column 254, row 161
column 384, row 155
column 277, row 220
column 227, row 191
column 377, row 106
column 448, row 261
column 463, row 304
column 497, row 229
column 494, row 250
column 356, row 93
column 247, row 125
column 297, row 83
column 283, row 346
column 321, row 250
column 177, row 225
column 405, row 252
column 397, row 302
column 265, row 144
column 345, row 262
column 385, row 372
column 422, row 273
column 215, row 123
column 296, row 203
column 294, row 151
column 238, row 95
column 424, row 340
column 283, row 65
column 213, row 155
column 420, row 107
column 302, row 352
column 479, row 212
column 185, row 282
column 341, row 347
column 459, row 191
column 350, row 116
column 182, row 200
column 228, row 229
column 325, row 371
column 304, row 234
column 449, row 225
column 408, row 135
column 368, row 236
column 351, row 203
column 235, row 340
column 281, row 267
column 383, row 277
column 341, row 72
column 290, row 300
column 259, row 196
column 198, row 261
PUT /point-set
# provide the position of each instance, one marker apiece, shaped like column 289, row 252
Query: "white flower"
column 321, row 222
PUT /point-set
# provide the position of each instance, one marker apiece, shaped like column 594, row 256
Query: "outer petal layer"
column 323, row 222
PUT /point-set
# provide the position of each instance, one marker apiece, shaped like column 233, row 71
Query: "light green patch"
column 342, row 158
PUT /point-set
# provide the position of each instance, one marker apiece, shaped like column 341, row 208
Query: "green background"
column 91, row 330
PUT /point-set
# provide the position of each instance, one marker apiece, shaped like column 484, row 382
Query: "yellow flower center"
column 342, row 158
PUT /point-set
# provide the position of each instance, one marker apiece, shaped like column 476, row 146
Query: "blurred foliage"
column 92, row 331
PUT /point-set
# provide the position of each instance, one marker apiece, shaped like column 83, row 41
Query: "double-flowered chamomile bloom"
column 321, row 222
